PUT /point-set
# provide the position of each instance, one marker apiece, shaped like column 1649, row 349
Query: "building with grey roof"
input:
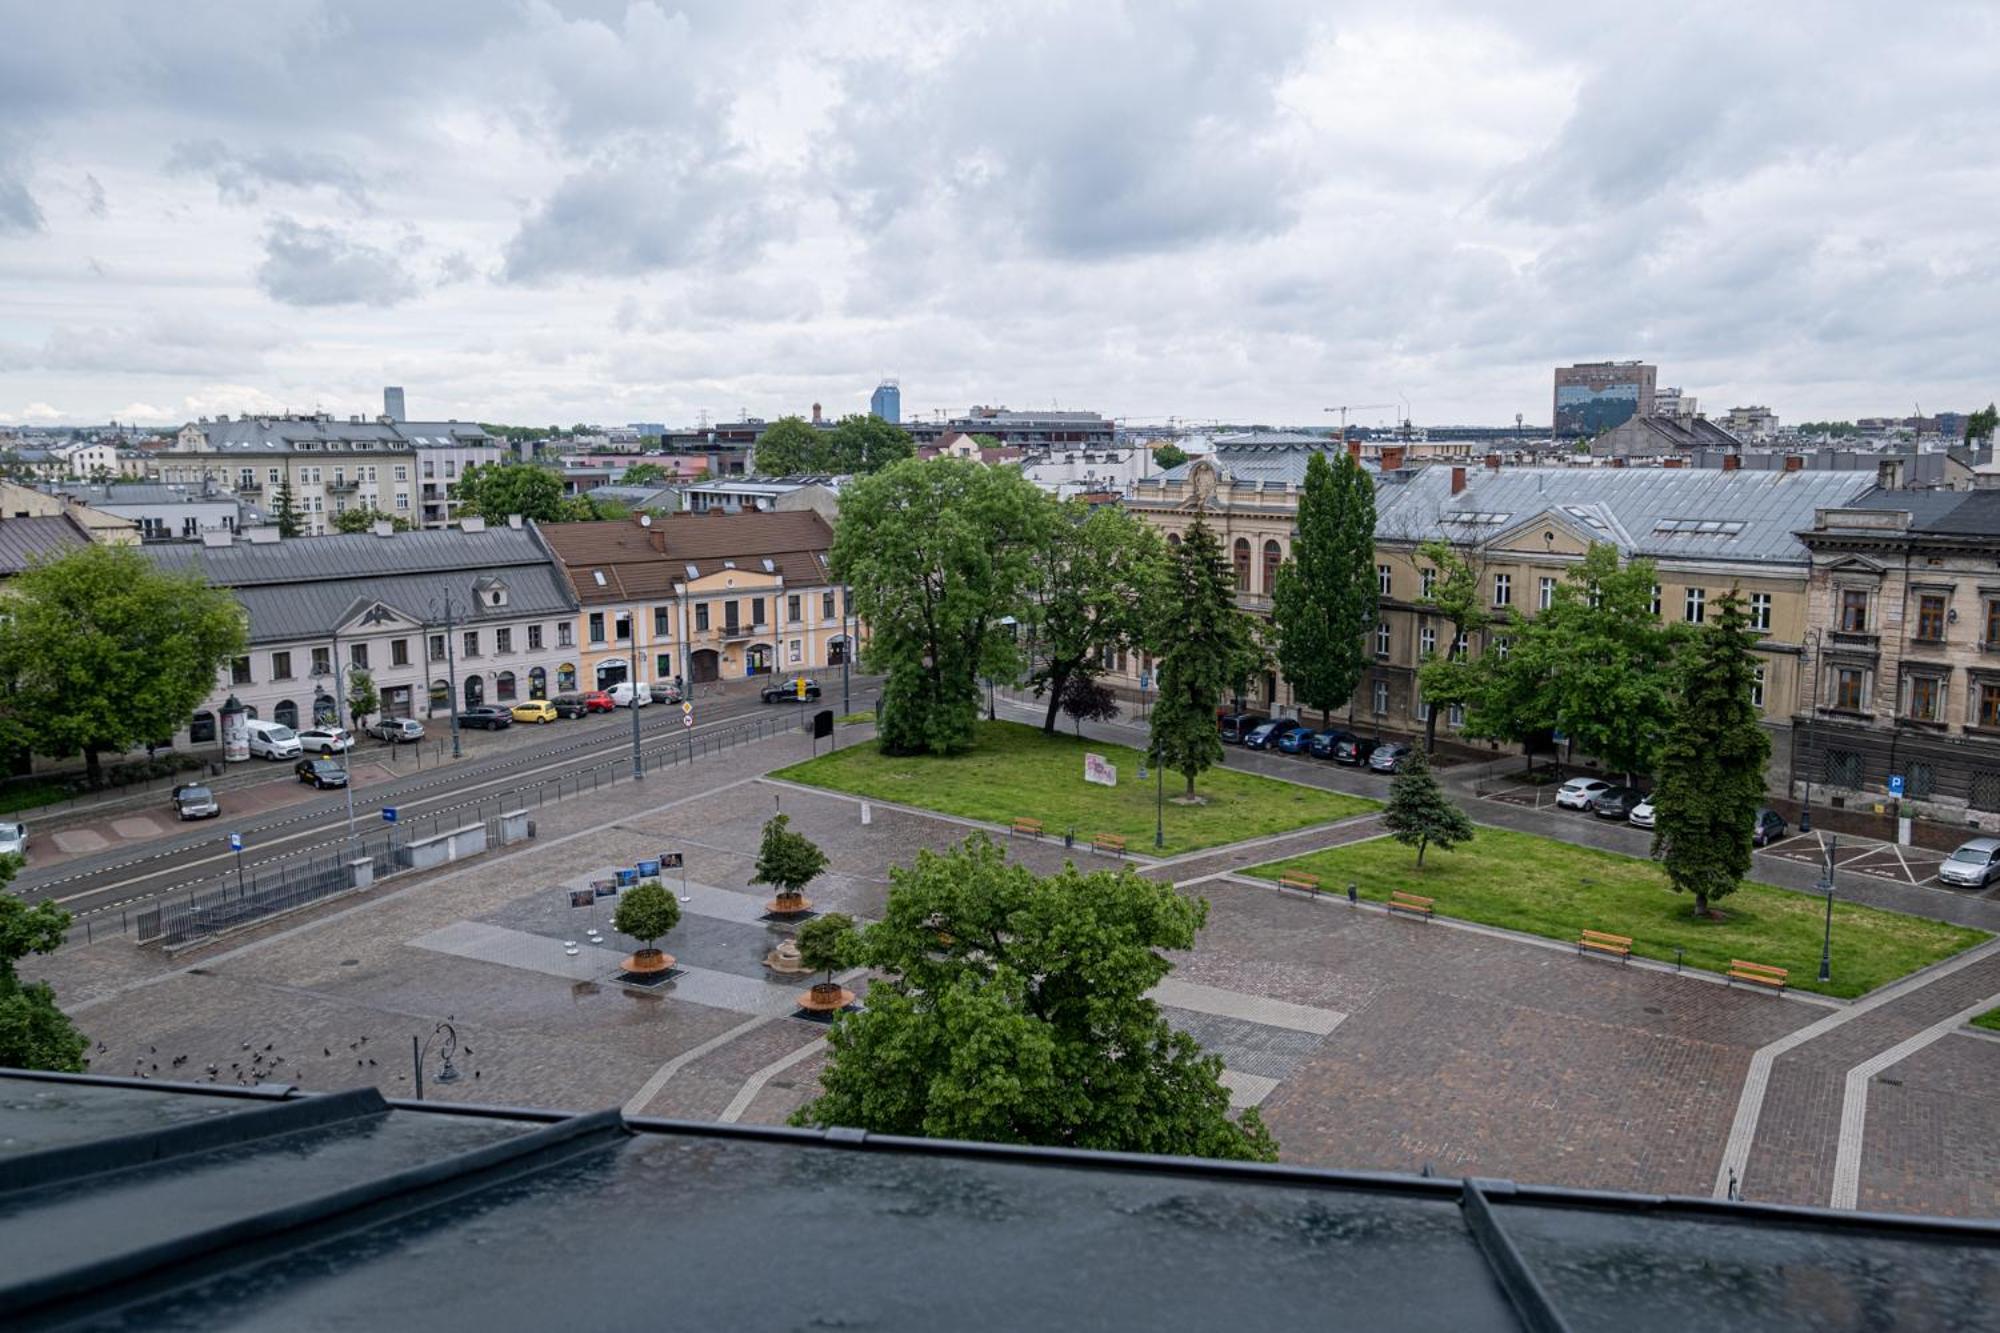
column 23, row 541
column 162, row 511
column 385, row 603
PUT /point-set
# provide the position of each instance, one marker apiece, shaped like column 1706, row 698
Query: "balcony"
column 1257, row 602
column 343, row 487
column 732, row 629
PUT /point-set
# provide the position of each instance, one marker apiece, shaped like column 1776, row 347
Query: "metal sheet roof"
column 25, row 540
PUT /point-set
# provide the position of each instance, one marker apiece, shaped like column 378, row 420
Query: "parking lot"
column 1862, row 856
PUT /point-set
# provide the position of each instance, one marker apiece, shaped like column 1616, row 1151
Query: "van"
column 622, row 693
column 271, row 740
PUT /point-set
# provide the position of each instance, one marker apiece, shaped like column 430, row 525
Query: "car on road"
column 320, row 773
column 569, row 705
column 1642, row 814
column 1973, row 865
column 1616, row 802
column 1233, row 727
column 487, row 717
column 13, row 839
column 271, row 740
column 788, row 690
column 626, row 694
column 1298, row 740
column 396, row 730
column 1578, row 793
column 1767, row 828
column 1388, row 757
column 1265, row 735
column 1320, row 746
column 324, row 741
column 599, row 701
column 1352, row 749
column 535, row 710
column 194, row 801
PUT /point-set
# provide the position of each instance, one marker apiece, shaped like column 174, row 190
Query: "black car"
column 194, row 801
column 569, row 705
column 1388, row 757
column 788, row 691
column 1616, row 802
column 487, row 716
column 1322, row 743
column 1352, row 749
column 1768, row 828
column 1265, row 736
column 320, row 773
column 1235, row 727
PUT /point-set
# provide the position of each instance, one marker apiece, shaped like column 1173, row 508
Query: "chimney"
column 266, row 536
column 1673, row 462
column 1493, row 461
column 1392, row 457
column 1793, row 462
column 1732, row 462
column 1618, row 462
column 657, row 537
column 216, row 537
column 816, row 415
column 472, row 523
column 1457, row 480
column 1354, row 450
column 383, row 527
column 514, row 520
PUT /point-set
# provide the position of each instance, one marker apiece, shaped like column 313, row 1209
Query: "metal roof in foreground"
column 129, row 1204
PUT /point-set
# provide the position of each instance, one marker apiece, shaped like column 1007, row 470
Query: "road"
column 496, row 766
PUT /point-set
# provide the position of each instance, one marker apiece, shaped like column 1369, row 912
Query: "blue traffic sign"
column 1895, row 784
column 1145, row 680
column 388, row 814
column 236, row 842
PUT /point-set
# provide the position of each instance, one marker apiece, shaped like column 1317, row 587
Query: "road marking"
column 755, row 1083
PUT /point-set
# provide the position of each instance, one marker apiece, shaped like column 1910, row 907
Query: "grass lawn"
column 1990, row 1020
column 1015, row 772
column 1543, row 887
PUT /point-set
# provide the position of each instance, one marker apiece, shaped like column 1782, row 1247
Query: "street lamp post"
column 846, row 649
column 1826, row 943
column 1812, row 727
column 447, row 1048
column 1159, row 803
column 340, row 725
column 451, row 666
column 638, row 761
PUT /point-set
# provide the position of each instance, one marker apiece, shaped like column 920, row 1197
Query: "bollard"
column 1354, row 895
column 1069, row 836
column 1678, row 950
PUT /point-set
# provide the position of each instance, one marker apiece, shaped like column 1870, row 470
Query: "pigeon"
column 102, row 1048
column 358, row 1064
column 212, row 1071
column 371, row 1062
column 269, row 1044
column 475, row 1076
column 326, row 1050
column 152, row 1050
column 246, row 1045
column 234, row 1065
column 466, row 1049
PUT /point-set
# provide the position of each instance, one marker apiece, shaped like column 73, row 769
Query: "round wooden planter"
column 789, row 906
column 648, row 961
column 825, row 999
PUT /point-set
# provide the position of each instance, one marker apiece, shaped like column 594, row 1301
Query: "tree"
column 1087, row 699
column 1090, row 593
column 787, row 861
column 1014, row 1009
column 1711, row 769
column 1168, row 455
column 1324, row 599
column 642, row 474
column 646, row 912
column 362, row 700
column 1204, row 647
column 789, row 447
column 1456, row 594
column 103, row 651
column 285, row 510
column 938, row 553
column 34, row 1032
column 495, row 491
column 1979, row 426
column 864, row 443
column 365, row 518
column 827, row 944
column 1419, row 812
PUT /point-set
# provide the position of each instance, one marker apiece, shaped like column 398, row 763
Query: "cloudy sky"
column 532, row 211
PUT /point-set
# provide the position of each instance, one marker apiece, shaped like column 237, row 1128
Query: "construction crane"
column 1345, row 408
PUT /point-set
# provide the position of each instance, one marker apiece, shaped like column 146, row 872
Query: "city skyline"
column 623, row 212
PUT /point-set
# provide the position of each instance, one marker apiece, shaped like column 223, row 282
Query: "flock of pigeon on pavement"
column 254, row 1066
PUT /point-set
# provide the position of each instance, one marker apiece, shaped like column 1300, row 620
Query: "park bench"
column 1618, row 946
column 1762, row 974
column 1110, row 843
column 1031, row 827
column 1300, row 880
column 1413, row 903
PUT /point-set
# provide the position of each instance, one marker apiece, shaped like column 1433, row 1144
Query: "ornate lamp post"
column 1812, row 644
column 447, row 1037
column 340, row 726
column 446, row 614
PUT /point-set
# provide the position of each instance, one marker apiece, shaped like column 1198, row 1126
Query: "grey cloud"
column 93, row 196
column 19, row 213
column 318, row 266
column 240, row 177
column 173, row 343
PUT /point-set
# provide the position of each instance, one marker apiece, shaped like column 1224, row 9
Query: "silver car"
column 1973, row 865
column 13, row 839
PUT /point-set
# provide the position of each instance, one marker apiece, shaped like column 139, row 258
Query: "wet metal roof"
column 131, row 1205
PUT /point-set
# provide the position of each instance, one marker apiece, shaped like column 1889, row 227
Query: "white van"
column 622, row 693
column 271, row 740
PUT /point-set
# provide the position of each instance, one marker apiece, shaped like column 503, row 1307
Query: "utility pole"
column 341, row 719
column 638, row 761
column 451, row 663
column 847, row 648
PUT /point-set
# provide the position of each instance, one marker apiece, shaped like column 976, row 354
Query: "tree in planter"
column 1419, row 812
column 646, row 912
column 787, row 861
column 1087, row 699
column 827, row 944
column 34, row 1032
column 1206, row 647
column 1711, row 768
column 362, row 699
column 1324, row 599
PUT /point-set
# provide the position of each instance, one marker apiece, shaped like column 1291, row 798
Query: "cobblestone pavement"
column 1369, row 1042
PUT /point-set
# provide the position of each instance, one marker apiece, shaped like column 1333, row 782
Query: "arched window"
column 1243, row 564
column 503, row 687
column 201, row 728
column 440, row 697
column 475, row 691
column 538, row 683
column 1271, row 558
column 286, row 714
column 1173, row 539
column 566, row 677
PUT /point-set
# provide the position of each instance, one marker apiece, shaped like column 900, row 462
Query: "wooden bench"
column 1031, row 827
column 1414, row 904
column 1618, row 946
column 1110, row 843
column 1300, row 880
column 1762, row 974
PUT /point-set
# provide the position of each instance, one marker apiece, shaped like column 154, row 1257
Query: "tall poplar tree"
column 1204, row 647
column 1324, row 601
column 1711, row 768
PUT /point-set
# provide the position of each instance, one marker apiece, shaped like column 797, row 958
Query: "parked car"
column 627, row 694
column 666, row 692
column 1265, row 735
column 1768, row 827
column 786, row 691
column 1973, row 865
column 1642, row 814
column 487, row 717
column 1352, row 749
column 598, row 701
column 569, row 705
column 1578, row 793
column 1616, row 802
column 1388, row 757
column 1321, row 743
column 320, row 773
column 535, row 710
column 324, row 741
column 1233, row 727
column 1297, row 741
column 13, row 839
column 193, row 801
column 271, row 740
column 396, row 730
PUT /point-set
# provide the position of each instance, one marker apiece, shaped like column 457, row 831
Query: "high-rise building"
column 392, row 403
column 887, row 402
column 1593, row 396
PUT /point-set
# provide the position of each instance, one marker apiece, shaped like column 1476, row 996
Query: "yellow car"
column 535, row 710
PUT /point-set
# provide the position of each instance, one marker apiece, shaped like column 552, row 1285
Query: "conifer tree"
column 1205, row 647
column 1420, row 814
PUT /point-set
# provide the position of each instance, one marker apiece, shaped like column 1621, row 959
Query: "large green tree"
column 496, row 491
column 1979, row 426
column 1457, row 596
column 1324, row 600
column 102, row 651
column 365, row 518
column 938, row 553
column 642, row 474
column 34, row 1032
column 1203, row 648
column 1711, row 767
column 1419, row 813
column 1090, row 594
column 789, row 447
column 1013, row 1009
column 362, row 697
column 1168, row 455
column 862, row 444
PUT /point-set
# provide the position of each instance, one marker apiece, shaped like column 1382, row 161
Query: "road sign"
column 687, row 720
column 687, row 709
column 1895, row 784
column 1145, row 680
column 800, row 685
column 388, row 814
column 236, row 842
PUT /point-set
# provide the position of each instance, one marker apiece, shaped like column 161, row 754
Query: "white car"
column 325, row 740
column 1642, row 815
column 1578, row 793
column 13, row 840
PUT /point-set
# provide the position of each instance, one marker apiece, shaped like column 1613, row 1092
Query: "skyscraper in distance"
column 887, row 402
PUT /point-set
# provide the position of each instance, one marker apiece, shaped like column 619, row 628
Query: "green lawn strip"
column 1015, row 772
column 854, row 719
column 1542, row 887
column 1989, row 1020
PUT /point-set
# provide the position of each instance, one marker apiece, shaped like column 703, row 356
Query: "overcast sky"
column 550, row 212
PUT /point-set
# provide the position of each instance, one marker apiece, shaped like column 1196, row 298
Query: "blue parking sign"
column 1895, row 784
column 236, row 842
column 388, row 814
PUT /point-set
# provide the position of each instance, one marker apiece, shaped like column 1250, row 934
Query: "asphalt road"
column 496, row 765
